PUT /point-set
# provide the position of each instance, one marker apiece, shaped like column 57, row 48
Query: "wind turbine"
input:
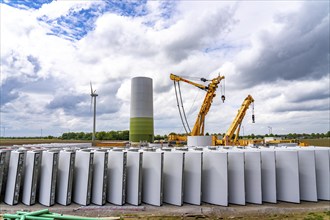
column 93, row 96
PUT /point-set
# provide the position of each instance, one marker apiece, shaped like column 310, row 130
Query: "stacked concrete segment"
column 215, row 175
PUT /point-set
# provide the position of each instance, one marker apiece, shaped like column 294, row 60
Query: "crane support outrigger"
column 198, row 129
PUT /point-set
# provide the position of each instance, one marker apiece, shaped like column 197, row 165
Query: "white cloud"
column 190, row 38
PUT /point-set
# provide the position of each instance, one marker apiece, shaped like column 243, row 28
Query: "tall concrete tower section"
column 142, row 110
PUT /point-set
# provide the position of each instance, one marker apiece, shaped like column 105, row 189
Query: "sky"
column 276, row 51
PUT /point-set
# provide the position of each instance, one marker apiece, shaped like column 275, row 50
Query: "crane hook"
column 223, row 98
column 253, row 118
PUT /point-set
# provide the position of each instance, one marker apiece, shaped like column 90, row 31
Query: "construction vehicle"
column 198, row 129
column 302, row 144
column 276, row 142
column 177, row 139
column 236, row 124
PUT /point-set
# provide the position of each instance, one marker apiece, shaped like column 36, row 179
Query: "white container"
column 173, row 177
column 116, row 192
column 48, row 176
column 252, row 169
column 322, row 165
column 193, row 177
column 100, row 173
column 83, row 174
column 215, row 177
column 268, row 176
column 65, row 176
column 134, row 178
column 32, row 167
column 152, row 188
column 194, row 141
column 287, row 175
column 236, row 177
column 14, row 178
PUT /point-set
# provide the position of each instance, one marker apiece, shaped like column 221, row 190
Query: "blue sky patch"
column 77, row 23
column 21, row 4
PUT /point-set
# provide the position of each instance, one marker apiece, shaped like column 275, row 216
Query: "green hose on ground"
column 44, row 214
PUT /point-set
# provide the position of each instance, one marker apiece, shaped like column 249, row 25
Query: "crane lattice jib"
column 198, row 128
column 239, row 117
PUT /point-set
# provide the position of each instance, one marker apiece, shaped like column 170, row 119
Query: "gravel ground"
column 250, row 211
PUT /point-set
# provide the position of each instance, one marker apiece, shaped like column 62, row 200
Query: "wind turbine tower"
column 93, row 96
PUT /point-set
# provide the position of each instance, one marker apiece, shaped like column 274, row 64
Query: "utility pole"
column 270, row 129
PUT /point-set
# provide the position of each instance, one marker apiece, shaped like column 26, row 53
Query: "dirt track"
column 280, row 210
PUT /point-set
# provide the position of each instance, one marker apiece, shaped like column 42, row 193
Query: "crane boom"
column 236, row 124
column 198, row 128
column 179, row 78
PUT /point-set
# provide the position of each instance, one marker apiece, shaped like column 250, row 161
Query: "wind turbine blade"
column 91, row 87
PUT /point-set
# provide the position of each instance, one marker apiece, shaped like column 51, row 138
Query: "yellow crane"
column 198, row 129
column 236, row 124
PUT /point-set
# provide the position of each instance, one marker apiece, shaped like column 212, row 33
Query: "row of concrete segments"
column 81, row 174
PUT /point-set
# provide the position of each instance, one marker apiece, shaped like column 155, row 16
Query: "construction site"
column 187, row 176
column 164, row 110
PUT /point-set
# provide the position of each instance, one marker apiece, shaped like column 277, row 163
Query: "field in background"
column 10, row 142
column 317, row 142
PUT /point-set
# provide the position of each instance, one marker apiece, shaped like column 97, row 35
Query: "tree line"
column 103, row 135
column 124, row 135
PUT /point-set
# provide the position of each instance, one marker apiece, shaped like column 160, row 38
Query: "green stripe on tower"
column 141, row 129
